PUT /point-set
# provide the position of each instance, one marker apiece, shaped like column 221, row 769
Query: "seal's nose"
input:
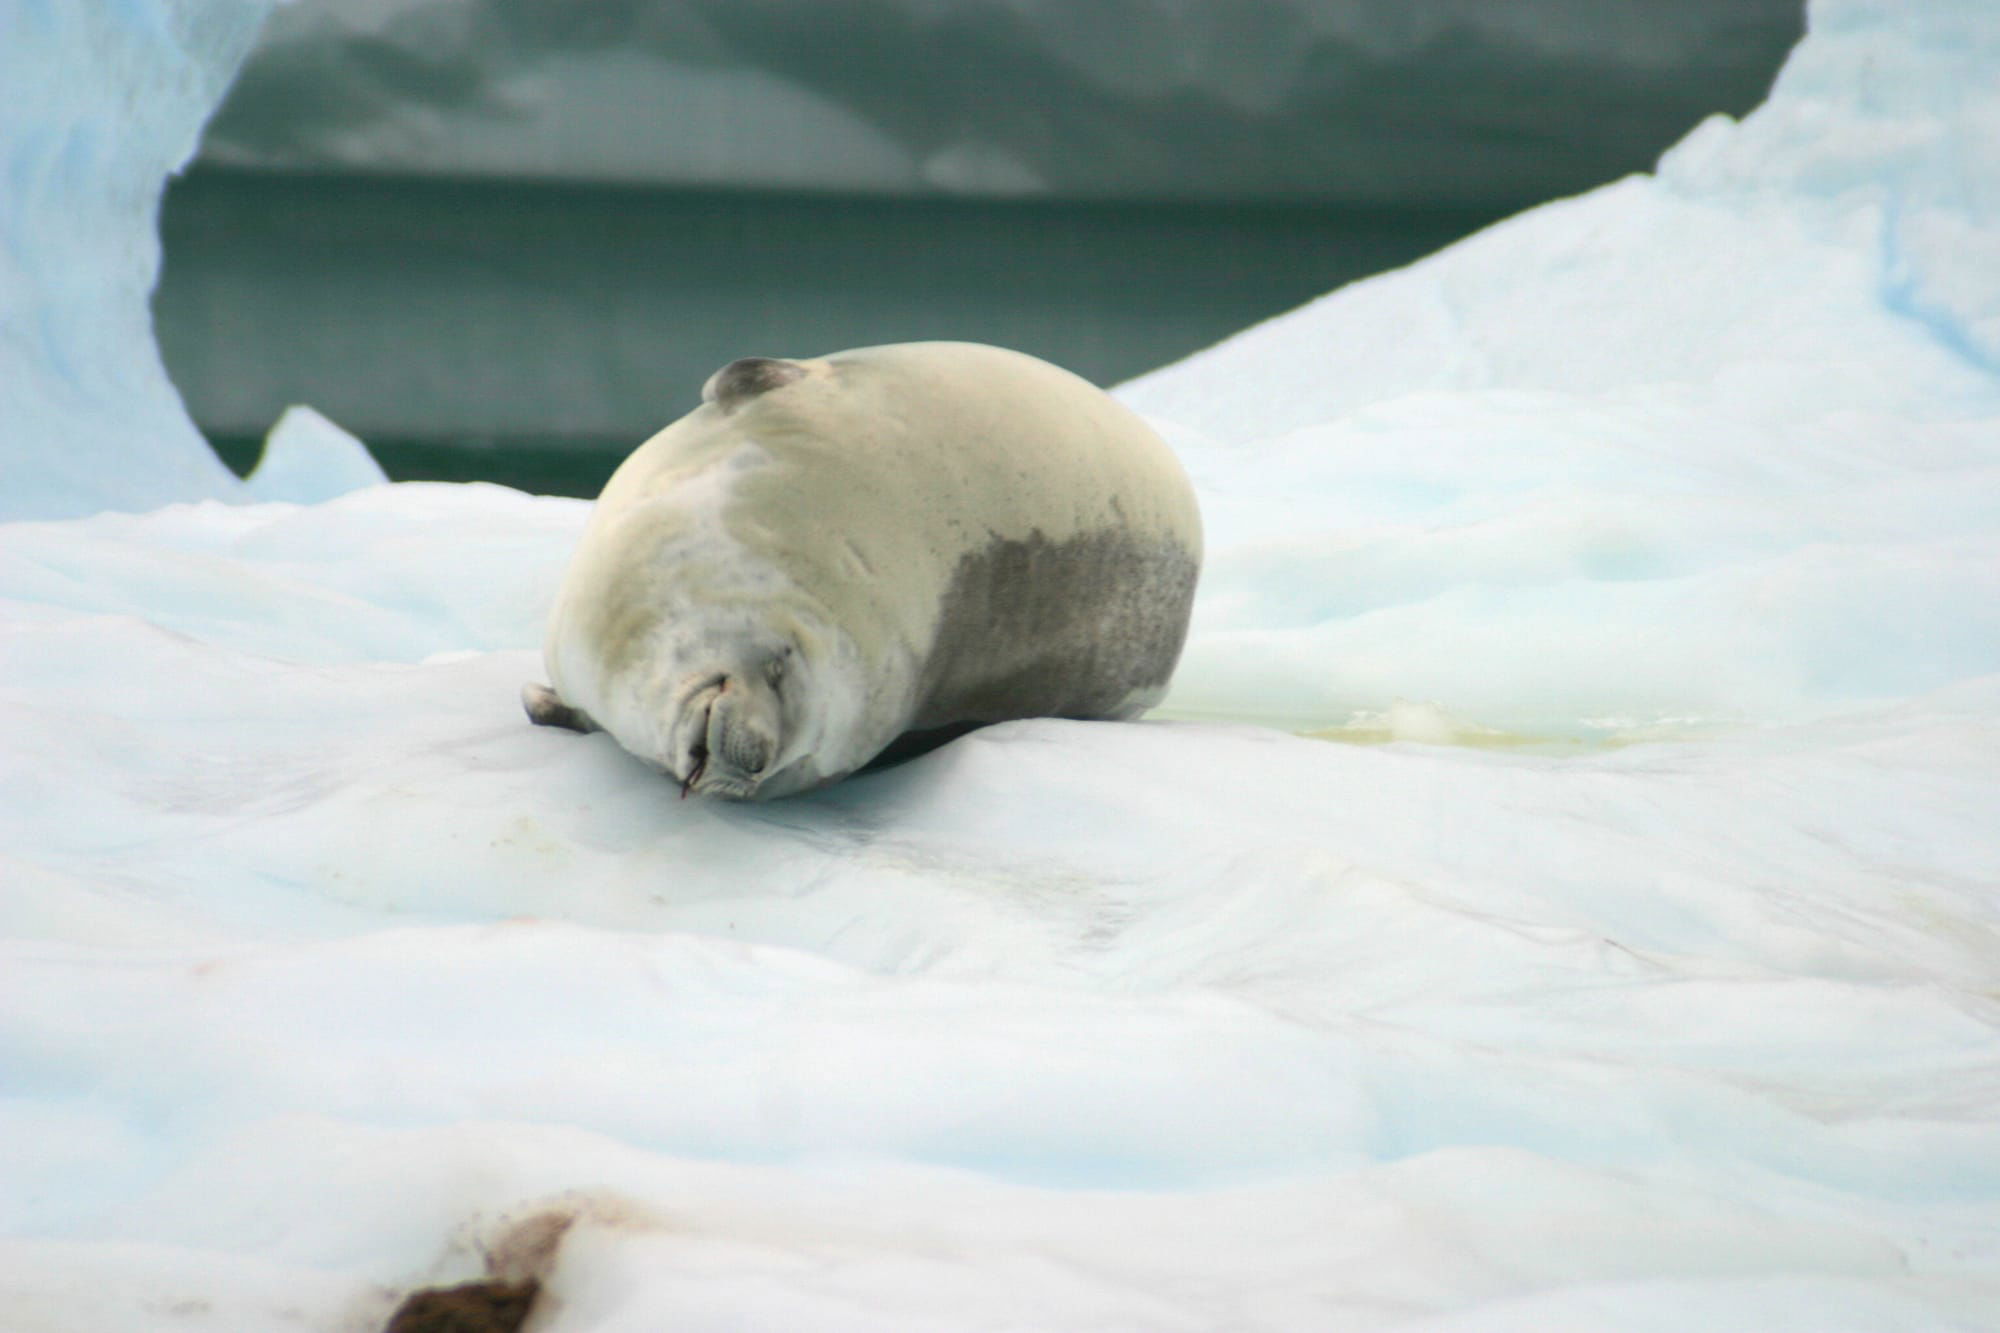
column 746, row 754
column 728, row 735
column 734, row 739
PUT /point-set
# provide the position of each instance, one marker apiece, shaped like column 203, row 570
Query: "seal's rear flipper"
column 546, row 709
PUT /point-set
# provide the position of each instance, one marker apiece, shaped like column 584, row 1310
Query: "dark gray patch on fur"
column 546, row 709
column 1040, row 628
column 746, row 378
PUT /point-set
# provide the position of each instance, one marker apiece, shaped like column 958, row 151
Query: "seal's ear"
column 746, row 378
column 546, row 709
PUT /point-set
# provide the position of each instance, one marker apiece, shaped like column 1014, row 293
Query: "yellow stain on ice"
column 1427, row 724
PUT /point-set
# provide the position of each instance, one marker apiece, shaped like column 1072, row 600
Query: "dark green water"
column 545, row 467
column 534, row 334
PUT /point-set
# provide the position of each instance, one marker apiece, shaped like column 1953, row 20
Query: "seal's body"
column 828, row 555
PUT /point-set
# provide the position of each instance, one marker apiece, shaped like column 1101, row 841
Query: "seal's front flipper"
column 546, row 709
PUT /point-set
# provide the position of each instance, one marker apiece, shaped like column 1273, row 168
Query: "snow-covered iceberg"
column 1715, row 444
column 323, row 976
column 100, row 104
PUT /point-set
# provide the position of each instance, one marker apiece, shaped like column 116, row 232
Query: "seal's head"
column 733, row 709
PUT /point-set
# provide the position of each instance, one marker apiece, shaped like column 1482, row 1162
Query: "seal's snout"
column 729, row 737
column 741, row 739
column 744, row 750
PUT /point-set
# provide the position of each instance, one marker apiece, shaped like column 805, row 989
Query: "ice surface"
column 319, row 956
column 322, row 974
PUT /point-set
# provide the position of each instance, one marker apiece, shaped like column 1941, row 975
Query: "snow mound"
column 1704, row 447
column 1834, row 251
column 308, row 459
